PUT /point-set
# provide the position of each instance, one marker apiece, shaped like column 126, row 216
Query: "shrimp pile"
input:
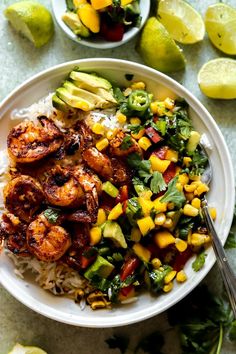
column 55, row 189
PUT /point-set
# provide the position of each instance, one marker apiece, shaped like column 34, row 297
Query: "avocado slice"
column 106, row 95
column 88, row 81
column 94, row 99
column 74, row 101
column 101, row 267
column 59, row 104
column 112, row 230
column 72, row 20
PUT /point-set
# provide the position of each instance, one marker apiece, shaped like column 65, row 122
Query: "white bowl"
column 221, row 194
column 59, row 8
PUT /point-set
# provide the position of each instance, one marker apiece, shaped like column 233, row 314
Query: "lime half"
column 217, row 78
column 158, row 49
column 182, row 21
column 220, row 23
column 32, row 20
column 20, row 349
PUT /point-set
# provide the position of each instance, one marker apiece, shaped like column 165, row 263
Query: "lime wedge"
column 220, row 21
column 20, row 349
column 217, row 78
column 158, row 49
column 32, row 20
column 182, row 21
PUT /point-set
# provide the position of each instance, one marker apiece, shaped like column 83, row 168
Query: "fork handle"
column 228, row 276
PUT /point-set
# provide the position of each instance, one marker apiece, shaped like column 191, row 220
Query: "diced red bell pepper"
column 181, row 259
column 153, row 135
column 112, row 33
column 129, row 267
column 161, row 152
column 85, row 262
column 123, row 194
column 125, row 204
column 126, row 291
column 170, row 172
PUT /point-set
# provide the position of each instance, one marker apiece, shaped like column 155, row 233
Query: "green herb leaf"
column 157, row 182
column 157, row 278
column 231, row 241
column 52, row 215
column 152, row 344
column 173, row 194
column 118, row 342
column 232, row 331
column 199, row 261
column 142, row 166
column 135, row 128
column 133, row 210
column 126, row 143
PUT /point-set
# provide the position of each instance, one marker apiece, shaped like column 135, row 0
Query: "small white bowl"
column 59, row 8
column 221, row 194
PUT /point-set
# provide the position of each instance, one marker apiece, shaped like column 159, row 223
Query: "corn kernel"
column 190, row 188
column 115, row 212
column 101, row 218
column 138, row 86
column 153, row 107
column 159, row 206
column 145, row 225
column 181, row 276
column 95, row 234
column 195, row 177
column 212, row 213
column 169, row 103
column 121, row 117
column 202, row 188
column 135, row 234
column 181, row 245
column 102, row 144
column 179, row 186
column 199, row 239
column 189, row 210
column 98, row 129
column 168, row 287
column 158, row 164
column 144, row 143
column 196, row 203
column 160, row 219
column 139, row 135
column 168, row 223
column 170, row 276
column 146, row 205
column 189, row 196
column 187, row 160
column 183, row 179
column 156, row 263
column 111, row 134
column 135, row 121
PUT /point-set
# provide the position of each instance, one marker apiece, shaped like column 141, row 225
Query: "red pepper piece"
column 113, row 33
column 181, row 259
column 161, row 152
column 153, row 134
column 169, row 173
column 126, row 291
column 129, row 267
column 123, row 194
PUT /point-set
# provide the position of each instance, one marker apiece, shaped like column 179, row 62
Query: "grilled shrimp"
column 62, row 188
column 92, row 187
column 29, row 142
column 86, row 135
column 48, row 242
column 112, row 169
column 13, row 231
column 115, row 145
column 23, row 197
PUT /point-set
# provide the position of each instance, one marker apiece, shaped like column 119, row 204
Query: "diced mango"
column 159, row 206
column 171, row 155
column 146, row 205
column 142, row 252
column 183, row 179
column 164, row 239
column 101, row 217
column 181, row 245
column 145, row 225
column 95, row 234
column 100, row 4
column 144, row 143
column 115, row 212
column 135, row 234
column 126, row 2
column 158, row 164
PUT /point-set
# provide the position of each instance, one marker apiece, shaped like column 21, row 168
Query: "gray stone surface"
column 19, row 61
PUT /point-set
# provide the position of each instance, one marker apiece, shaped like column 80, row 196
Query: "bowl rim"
column 120, row 320
column 132, row 32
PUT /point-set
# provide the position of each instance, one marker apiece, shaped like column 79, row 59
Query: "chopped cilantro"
column 199, row 261
column 173, row 194
column 157, row 182
column 52, row 215
column 231, row 241
column 126, row 143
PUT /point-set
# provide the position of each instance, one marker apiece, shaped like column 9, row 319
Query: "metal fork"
column 229, row 278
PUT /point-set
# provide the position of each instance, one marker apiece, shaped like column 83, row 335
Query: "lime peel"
column 217, row 78
column 20, row 349
column 32, row 20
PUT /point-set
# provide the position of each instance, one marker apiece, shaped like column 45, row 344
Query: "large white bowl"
column 59, row 8
column 221, row 194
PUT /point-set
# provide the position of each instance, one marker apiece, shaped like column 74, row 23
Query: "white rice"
column 106, row 117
